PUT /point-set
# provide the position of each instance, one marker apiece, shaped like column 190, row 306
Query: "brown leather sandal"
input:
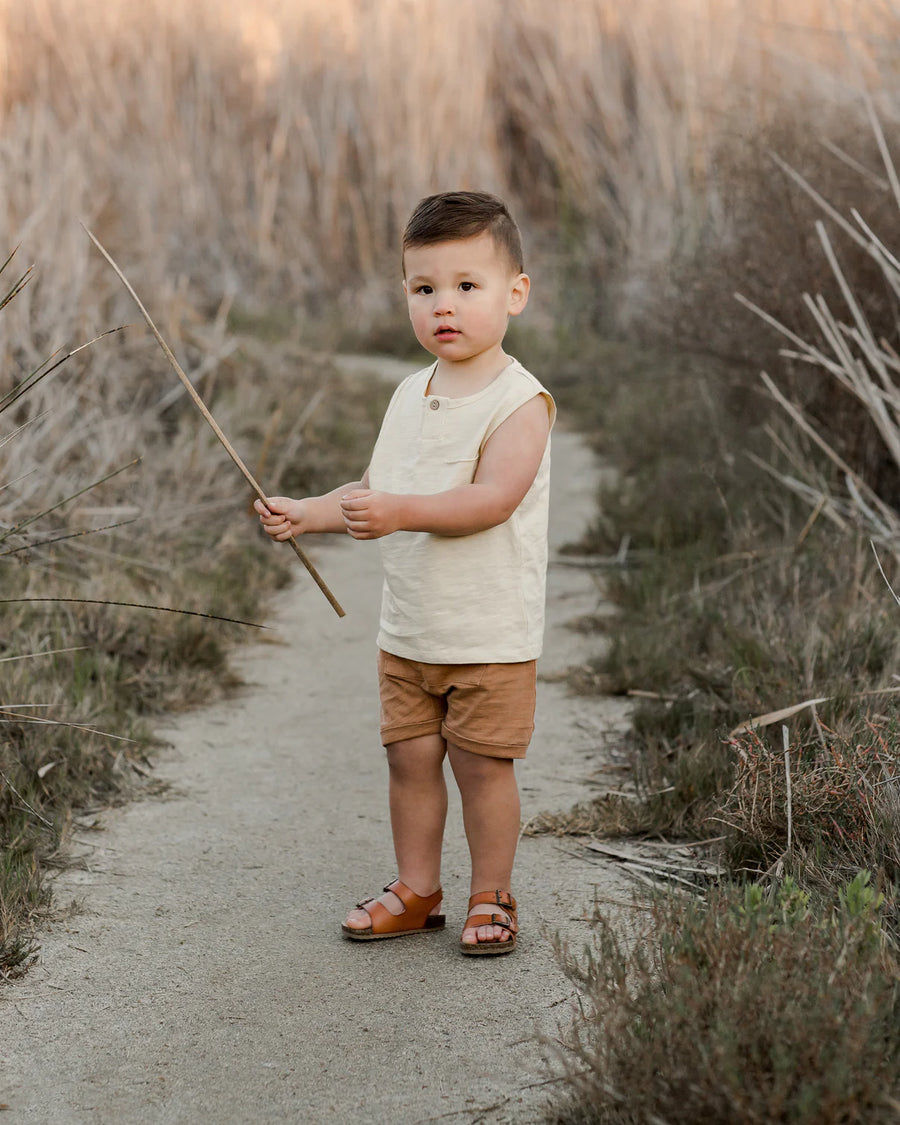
column 507, row 919
column 415, row 918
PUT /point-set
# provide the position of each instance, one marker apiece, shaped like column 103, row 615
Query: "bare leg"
column 491, row 814
column 418, row 803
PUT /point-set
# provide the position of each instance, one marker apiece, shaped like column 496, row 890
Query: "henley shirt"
column 460, row 599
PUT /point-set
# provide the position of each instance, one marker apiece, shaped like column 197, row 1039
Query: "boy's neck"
column 469, row 376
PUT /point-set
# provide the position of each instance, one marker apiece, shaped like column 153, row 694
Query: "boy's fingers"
column 275, row 525
column 357, row 504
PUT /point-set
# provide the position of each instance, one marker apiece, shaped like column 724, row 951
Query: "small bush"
column 743, row 1011
column 843, row 805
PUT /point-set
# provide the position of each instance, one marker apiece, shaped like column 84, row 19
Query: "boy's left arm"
column 506, row 470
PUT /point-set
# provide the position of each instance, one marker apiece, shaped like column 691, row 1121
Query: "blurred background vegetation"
column 251, row 167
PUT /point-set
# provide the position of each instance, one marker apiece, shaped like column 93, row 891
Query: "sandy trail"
column 206, row 979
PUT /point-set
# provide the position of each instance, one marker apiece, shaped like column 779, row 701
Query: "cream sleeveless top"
column 467, row 599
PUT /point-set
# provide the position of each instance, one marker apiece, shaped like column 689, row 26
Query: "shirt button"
column 435, row 404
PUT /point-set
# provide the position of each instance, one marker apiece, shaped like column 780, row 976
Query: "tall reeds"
column 256, row 169
column 275, row 156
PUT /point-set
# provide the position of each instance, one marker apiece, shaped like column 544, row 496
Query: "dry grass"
column 826, row 811
column 81, row 684
column 740, row 600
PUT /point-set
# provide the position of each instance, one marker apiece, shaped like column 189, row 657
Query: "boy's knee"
column 414, row 756
column 478, row 766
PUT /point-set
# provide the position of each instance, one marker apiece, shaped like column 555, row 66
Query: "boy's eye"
column 467, row 286
column 425, row 289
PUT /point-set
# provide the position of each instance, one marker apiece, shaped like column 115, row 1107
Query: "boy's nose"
column 442, row 305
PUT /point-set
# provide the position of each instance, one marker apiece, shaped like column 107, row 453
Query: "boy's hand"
column 281, row 517
column 371, row 515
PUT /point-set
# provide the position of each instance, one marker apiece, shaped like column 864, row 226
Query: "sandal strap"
column 497, row 898
column 412, row 901
column 414, row 915
column 508, row 920
column 476, row 920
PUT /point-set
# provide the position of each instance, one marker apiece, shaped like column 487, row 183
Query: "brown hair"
column 453, row 215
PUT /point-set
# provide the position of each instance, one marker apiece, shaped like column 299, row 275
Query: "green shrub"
column 746, row 1010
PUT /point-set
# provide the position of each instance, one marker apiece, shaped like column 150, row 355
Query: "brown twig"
column 63, row 538
column 24, row 802
column 43, row 371
column 201, row 406
column 138, row 605
column 4, row 535
column 9, row 716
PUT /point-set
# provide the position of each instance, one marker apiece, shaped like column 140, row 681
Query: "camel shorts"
column 487, row 709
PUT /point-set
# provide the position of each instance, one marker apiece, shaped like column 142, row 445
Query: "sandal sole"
column 367, row 935
column 487, row 948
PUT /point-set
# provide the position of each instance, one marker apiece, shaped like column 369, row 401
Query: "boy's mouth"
column 446, row 332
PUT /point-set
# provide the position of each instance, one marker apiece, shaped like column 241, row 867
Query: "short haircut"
column 453, row 215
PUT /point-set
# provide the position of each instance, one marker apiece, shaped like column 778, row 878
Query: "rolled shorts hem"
column 400, row 733
column 419, row 730
column 486, row 749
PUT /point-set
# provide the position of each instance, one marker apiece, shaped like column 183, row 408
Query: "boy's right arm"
column 282, row 517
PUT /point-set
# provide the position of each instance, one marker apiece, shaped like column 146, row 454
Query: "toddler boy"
column 457, row 492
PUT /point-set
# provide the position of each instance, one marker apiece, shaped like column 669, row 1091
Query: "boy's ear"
column 405, row 288
column 518, row 294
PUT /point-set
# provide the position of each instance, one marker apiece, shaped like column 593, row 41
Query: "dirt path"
column 206, row 979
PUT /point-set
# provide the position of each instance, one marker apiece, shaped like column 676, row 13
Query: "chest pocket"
column 458, row 457
column 449, row 451
column 461, row 469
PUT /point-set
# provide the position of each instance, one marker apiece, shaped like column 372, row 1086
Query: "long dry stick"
column 201, row 406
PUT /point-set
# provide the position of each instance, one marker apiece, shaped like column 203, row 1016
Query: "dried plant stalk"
column 787, row 781
column 201, row 406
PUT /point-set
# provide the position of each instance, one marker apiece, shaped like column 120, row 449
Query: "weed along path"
column 205, row 979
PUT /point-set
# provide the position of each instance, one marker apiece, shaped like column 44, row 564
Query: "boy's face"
column 460, row 295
